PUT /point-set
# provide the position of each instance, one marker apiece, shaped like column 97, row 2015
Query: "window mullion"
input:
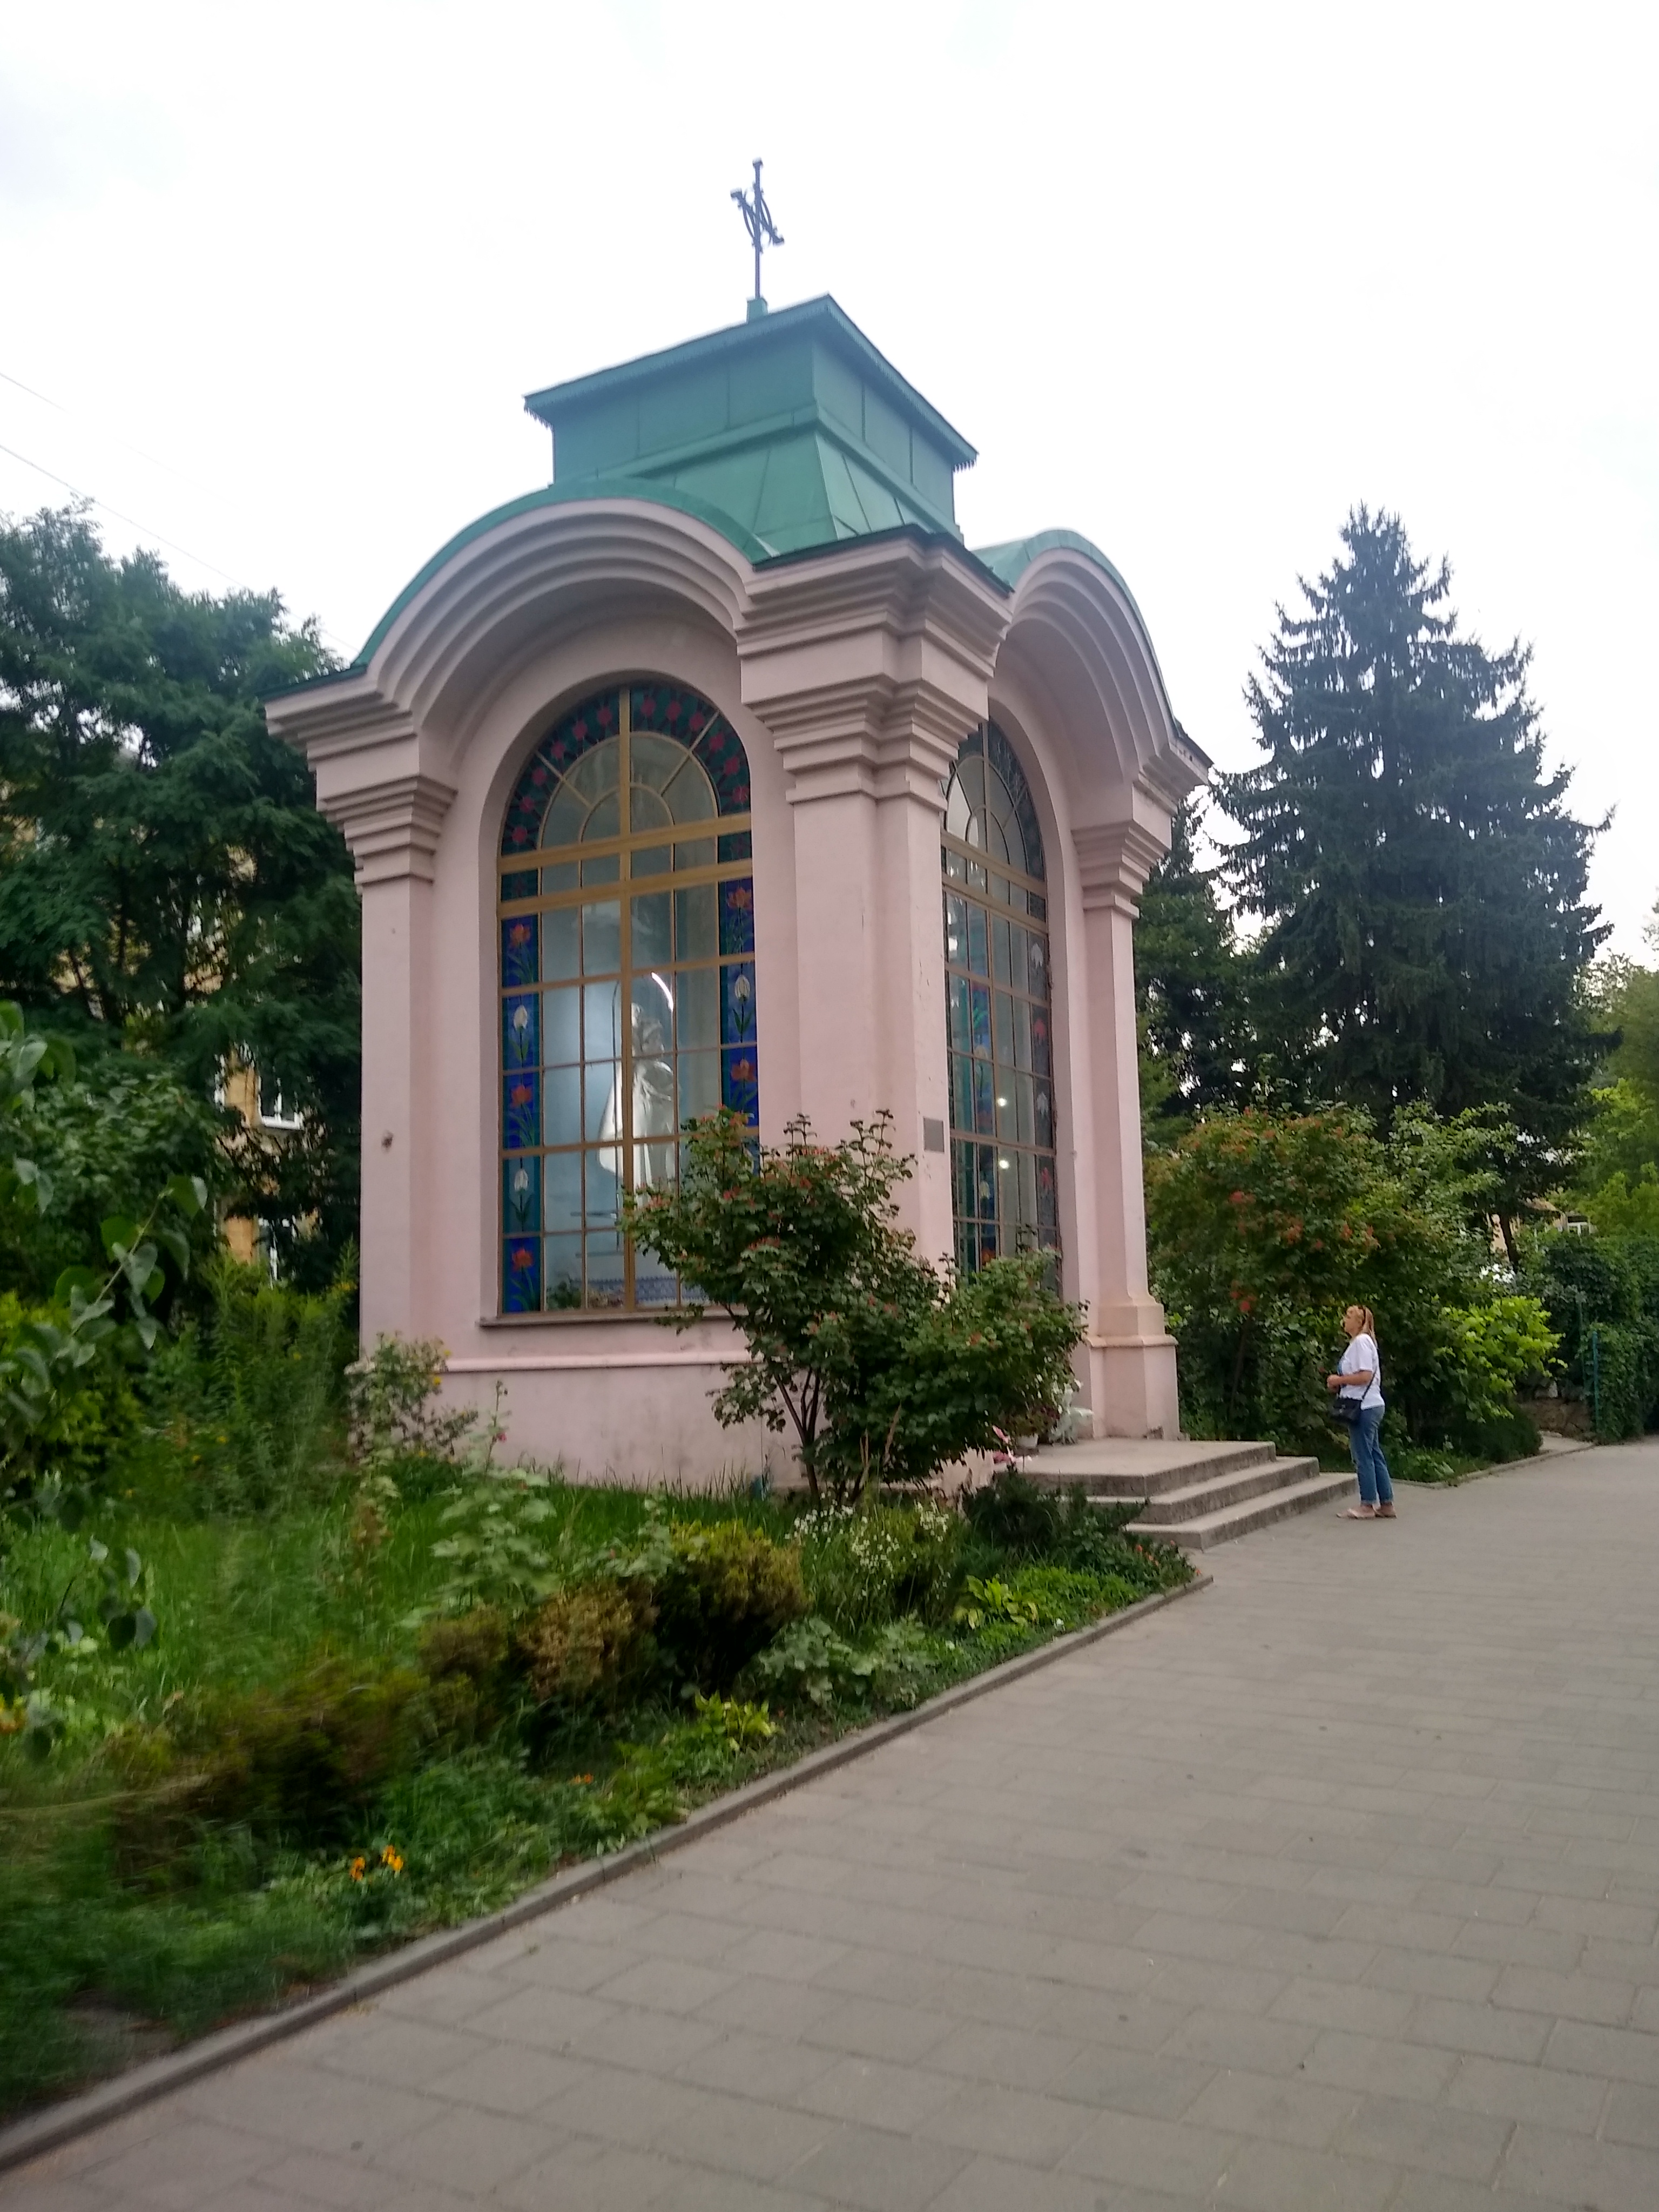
column 625, row 985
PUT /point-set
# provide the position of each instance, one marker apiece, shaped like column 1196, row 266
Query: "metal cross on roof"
column 763, row 232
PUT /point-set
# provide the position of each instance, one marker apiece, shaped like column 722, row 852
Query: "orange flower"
column 357, row 1866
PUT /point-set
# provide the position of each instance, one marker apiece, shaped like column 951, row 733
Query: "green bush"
column 885, row 1369
column 1068, row 1530
column 810, row 1662
column 469, row 1653
column 299, row 1761
column 728, row 1592
column 1068, row 1597
column 252, row 1393
column 587, row 1646
column 95, row 1417
column 1622, row 1379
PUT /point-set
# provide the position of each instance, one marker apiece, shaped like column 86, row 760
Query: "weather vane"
column 763, row 232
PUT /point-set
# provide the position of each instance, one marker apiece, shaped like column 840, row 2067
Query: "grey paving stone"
column 994, row 2184
column 870, row 2029
column 875, row 2172
column 644, row 2042
column 618, row 2104
column 1015, row 2058
column 406, row 2053
column 1567, row 1997
column 1150, row 2154
column 593, row 2178
column 468, row 2151
column 1352, row 2005
column 507, row 2077
column 1632, row 2115
column 1286, row 2110
column 1549, row 1948
column 1438, row 2192
column 1379, row 2067
column 1616, row 2054
column 1480, row 2029
column 755, row 2065
column 1568, row 2169
column 1265, row 2176
column 877, row 2094
column 666, row 1984
column 1440, row 2139
column 741, row 2135
column 1541, row 2093
column 1157, row 2084
column 344, row 2183
column 1231, row 2039
column 33, row 2191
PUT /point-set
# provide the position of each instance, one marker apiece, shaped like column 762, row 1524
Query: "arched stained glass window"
column 627, row 983
column 1003, row 1189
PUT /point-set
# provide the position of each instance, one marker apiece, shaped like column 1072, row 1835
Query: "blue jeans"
column 1375, row 1487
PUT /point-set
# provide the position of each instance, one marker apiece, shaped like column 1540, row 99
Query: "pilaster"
column 869, row 665
column 1131, row 1356
column 375, row 783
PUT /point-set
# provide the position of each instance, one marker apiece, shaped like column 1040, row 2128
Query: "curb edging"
column 51, row 2129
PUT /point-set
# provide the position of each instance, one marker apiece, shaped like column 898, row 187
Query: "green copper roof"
column 792, row 425
column 1009, row 562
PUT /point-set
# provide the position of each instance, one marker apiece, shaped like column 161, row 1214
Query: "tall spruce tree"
column 1191, row 999
column 1420, row 875
column 166, row 884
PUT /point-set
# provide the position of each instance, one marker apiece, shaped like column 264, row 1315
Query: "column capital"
column 376, row 780
column 869, row 665
column 1114, row 859
column 392, row 825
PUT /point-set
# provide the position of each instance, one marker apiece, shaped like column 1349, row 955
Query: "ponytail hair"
column 1370, row 1321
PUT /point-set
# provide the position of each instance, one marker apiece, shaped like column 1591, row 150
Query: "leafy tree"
column 166, row 884
column 884, row 1370
column 1421, row 877
column 1191, row 981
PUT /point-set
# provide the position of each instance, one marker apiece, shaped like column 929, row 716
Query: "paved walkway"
column 1336, row 1886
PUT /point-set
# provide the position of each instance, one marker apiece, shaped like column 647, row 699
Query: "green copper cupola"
column 793, row 424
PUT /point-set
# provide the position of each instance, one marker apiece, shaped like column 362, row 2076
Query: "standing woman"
column 1358, row 1379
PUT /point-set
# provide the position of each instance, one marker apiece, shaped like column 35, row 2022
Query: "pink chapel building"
column 720, row 771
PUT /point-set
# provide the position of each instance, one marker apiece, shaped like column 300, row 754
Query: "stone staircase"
column 1197, row 1495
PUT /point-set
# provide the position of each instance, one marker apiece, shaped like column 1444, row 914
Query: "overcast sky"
column 1193, row 279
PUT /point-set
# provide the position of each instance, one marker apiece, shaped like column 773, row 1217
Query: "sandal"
column 1385, row 1513
column 1359, row 1513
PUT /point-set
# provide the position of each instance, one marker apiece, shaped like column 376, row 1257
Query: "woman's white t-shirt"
column 1362, row 1352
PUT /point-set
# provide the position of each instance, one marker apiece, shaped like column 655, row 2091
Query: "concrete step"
column 1217, row 1492
column 1202, row 1531
column 1123, row 1467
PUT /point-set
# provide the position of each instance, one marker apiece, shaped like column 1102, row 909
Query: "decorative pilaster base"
column 1131, row 1371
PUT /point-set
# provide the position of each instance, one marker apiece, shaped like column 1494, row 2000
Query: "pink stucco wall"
column 850, row 682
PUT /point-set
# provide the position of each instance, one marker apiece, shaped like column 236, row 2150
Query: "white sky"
column 1193, row 279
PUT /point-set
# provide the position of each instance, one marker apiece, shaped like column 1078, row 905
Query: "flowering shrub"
column 865, row 1564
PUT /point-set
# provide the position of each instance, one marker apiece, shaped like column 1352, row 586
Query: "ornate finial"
column 763, row 232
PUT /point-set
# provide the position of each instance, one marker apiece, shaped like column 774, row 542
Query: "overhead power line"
column 132, row 522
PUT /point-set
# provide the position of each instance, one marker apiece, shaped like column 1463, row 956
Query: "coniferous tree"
column 1190, row 988
column 1419, row 876
column 166, row 884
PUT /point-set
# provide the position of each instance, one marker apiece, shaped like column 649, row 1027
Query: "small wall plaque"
column 932, row 1135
